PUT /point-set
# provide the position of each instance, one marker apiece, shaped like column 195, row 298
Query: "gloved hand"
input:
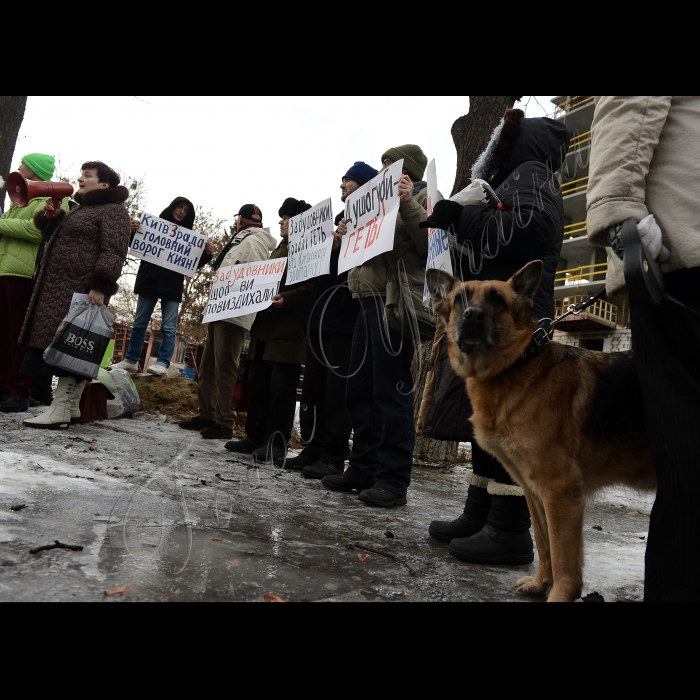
column 445, row 214
column 650, row 235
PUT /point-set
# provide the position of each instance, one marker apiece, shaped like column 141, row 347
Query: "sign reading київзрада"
column 310, row 243
column 168, row 245
column 370, row 216
column 242, row 289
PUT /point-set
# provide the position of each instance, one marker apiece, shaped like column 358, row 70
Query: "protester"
column 276, row 354
column 19, row 243
column 519, row 164
column 380, row 388
column 154, row 282
column 329, row 320
column 645, row 165
column 84, row 254
column 219, row 367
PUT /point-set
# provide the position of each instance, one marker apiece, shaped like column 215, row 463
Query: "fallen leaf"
column 634, row 512
column 594, row 597
column 273, row 598
column 234, row 561
column 597, row 527
column 114, row 591
column 403, row 593
column 362, row 559
column 93, row 449
column 389, row 534
column 215, row 540
column 643, row 538
column 89, row 578
column 204, row 483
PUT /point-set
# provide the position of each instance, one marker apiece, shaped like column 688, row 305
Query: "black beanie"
column 292, row 207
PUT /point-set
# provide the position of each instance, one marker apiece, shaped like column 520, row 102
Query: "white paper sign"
column 370, row 215
column 310, row 243
column 438, row 243
column 168, row 245
column 242, row 289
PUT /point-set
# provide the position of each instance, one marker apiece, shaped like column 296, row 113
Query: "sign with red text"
column 168, row 245
column 438, row 242
column 244, row 289
column 310, row 243
column 370, row 216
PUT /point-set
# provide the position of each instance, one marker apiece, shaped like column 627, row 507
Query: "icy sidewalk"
column 172, row 516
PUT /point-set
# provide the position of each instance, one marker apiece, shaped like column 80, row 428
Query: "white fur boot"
column 58, row 414
column 75, row 404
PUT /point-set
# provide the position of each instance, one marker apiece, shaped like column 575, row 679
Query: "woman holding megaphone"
column 84, row 254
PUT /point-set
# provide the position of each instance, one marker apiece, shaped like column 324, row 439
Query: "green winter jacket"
column 20, row 238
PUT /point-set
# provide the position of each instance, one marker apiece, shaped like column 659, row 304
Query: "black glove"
column 445, row 214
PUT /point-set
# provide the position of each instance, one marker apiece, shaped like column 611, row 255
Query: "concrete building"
column 582, row 267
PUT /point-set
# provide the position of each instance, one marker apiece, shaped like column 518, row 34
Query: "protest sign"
column 168, row 245
column 370, row 215
column 438, row 243
column 310, row 243
column 242, row 289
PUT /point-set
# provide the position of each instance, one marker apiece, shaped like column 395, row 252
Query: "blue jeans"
column 380, row 402
column 144, row 311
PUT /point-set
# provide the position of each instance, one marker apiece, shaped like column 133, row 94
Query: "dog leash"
column 545, row 329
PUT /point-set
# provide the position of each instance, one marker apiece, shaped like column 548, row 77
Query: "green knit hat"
column 40, row 164
column 414, row 159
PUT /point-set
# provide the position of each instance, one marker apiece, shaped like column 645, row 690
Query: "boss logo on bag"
column 78, row 342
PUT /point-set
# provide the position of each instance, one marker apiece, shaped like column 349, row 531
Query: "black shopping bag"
column 81, row 340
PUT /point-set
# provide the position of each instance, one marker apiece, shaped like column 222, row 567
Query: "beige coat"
column 645, row 159
column 250, row 245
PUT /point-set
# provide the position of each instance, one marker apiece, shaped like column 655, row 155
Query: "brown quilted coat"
column 86, row 251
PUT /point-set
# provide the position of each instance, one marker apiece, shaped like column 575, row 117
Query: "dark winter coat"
column 86, row 250
column 157, row 282
column 280, row 329
column 520, row 164
column 334, row 311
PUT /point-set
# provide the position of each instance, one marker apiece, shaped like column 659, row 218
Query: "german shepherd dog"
column 564, row 424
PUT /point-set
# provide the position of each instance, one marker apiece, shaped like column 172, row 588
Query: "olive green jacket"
column 20, row 238
column 280, row 329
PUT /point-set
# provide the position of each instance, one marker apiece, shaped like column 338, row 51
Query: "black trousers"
column 323, row 415
column 483, row 464
column 272, row 399
column 666, row 344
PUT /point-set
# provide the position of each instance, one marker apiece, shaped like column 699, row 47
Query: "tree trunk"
column 471, row 133
column 11, row 115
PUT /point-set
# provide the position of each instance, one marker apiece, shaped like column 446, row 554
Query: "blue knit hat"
column 361, row 172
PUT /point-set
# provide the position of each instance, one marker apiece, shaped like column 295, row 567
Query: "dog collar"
column 538, row 344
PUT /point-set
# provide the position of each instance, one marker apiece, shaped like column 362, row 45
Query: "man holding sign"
column 380, row 387
column 156, row 281
column 276, row 354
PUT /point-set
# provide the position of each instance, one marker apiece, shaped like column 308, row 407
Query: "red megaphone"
column 20, row 191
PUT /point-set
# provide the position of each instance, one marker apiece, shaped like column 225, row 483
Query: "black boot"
column 476, row 512
column 505, row 539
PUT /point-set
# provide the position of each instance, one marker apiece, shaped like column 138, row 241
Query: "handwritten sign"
column 438, row 244
column 370, row 215
column 168, row 245
column 243, row 289
column 310, row 243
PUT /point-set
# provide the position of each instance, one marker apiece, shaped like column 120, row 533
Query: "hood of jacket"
column 262, row 233
column 517, row 140
column 188, row 221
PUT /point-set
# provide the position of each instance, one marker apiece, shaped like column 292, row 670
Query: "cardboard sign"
column 438, row 243
column 168, row 245
column 310, row 243
column 243, row 289
column 370, row 215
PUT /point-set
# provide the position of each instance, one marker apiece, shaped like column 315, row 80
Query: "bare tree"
column 472, row 131
column 471, row 134
column 11, row 114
